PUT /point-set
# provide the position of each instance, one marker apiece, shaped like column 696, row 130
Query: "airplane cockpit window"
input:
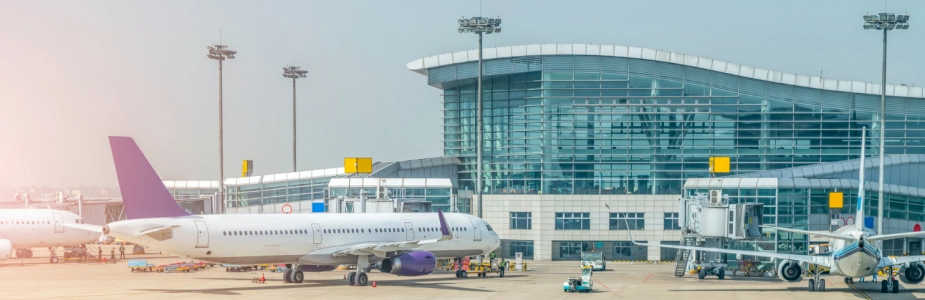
column 489, row 227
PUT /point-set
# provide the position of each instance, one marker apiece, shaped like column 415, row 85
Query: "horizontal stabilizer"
column 895, row 236
column 86, row 227
column 814, row 233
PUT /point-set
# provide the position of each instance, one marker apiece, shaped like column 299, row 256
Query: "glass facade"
column 276, row 192
column 584, row 124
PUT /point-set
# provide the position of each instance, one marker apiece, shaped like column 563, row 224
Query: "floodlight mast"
column 479, row 25
column 221, row 53
column 884, row 22
column 294, row 73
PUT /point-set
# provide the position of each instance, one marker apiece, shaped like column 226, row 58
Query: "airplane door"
column 59, row 223
column 202, row 234
column 316, row 235
column 409, row 231
column 476, row 230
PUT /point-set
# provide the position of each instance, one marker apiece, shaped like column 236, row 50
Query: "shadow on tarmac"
column 430, row 283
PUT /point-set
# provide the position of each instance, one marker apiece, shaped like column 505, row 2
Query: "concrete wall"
column 544, row 207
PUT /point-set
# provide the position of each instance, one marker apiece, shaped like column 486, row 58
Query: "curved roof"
column 421, row 65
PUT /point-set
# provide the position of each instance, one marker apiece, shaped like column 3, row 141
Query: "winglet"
column 143, row 193
column 444, row 228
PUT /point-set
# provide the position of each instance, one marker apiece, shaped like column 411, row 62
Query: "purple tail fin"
column 143, row 193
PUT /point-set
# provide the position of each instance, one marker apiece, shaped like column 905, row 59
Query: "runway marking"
column 608, row 288
column 647, row 278
column 859, row 291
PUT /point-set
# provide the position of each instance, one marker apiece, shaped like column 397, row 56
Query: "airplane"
column 21, row 229
column 403, row 244
column 855, row 253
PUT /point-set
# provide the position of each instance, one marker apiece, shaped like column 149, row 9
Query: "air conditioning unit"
column 380, row 194
column 716, row 197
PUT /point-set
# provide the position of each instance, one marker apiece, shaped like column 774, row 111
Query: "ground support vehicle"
column 486, row 267
column 579, row 284
column 140, row 265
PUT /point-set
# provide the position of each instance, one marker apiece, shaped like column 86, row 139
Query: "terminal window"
column 521, row 220
column 627, row 221
column 671, row 221
column 573, row 221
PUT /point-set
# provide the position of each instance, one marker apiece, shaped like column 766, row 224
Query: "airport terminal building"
column 580, row 139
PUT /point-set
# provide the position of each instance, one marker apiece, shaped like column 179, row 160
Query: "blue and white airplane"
column 855, row 253
column 404, row 244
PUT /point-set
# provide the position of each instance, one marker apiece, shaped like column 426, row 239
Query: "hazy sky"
column 74, row 72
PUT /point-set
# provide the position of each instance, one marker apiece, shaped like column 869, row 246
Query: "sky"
column 73, row 73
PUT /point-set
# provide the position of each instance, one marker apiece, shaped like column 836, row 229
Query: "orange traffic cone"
column 374, row 283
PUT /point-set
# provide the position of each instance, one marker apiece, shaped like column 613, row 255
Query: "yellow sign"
column 836, row 200
column 358, row 165
column 247, row 168
column 719, row 164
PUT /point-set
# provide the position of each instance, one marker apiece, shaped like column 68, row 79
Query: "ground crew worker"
column 122, row 251
column 112, row 254
column 100, row 257
column 491, row 256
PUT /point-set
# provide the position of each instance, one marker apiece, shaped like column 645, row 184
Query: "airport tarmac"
column 35, row 278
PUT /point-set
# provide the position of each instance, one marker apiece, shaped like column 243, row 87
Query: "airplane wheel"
column 821, row 286
column 721, row 274
column 54, row 259
column 286, row 275
column 702, row 274
column 812, row 285
column 18, row 253
column 458, row 274
column 846, row 280
column 895, row 286
column 351, row 278
column 362, row 279
column 28, row 253
column 883, row 286
column 463, row 274
column 297, row 276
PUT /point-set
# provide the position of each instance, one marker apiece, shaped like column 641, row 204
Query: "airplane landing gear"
column 23, row 253
column 54, row 257
column 286, row 275
column 351, row 278
column 360, row 277
column 889, row 284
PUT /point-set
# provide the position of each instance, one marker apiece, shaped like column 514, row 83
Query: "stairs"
column 683, row 256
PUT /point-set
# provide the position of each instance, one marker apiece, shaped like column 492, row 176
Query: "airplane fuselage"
column 28, row 228
column 854, row 259
column 303, row 238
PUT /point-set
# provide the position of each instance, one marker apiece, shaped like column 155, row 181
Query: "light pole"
column 884, row 22
column 479, row 25
column 294, row 73
column 220, row 53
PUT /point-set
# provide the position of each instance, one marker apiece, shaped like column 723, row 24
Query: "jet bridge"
column 710, row 220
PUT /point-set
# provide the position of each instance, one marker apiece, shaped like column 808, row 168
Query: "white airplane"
column 21, row 229
column 855, row 253
column 404, row 244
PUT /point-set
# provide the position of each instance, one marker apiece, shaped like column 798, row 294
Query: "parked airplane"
column 21, row 229
column 855, row 253
column 404, row 244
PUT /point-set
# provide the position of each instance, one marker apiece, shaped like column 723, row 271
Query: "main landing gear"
column 54, row 257
column 293, row 274
column 23, row 253
column 360, row 277
column 890, row 284
column 817, row 284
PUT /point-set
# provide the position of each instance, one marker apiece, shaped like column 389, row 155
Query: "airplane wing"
column 155, row 230
column 893, row 261
column 814, row 233
column 816, row 260
column 379, row 249
column 895, row 236
column 87, row 227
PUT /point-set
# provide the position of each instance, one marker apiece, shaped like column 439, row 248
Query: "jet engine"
column 411, row 264
column 6, row 249
column 790, row 271
column 912, row 272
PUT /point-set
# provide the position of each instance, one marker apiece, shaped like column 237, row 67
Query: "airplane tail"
column 143, row 193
